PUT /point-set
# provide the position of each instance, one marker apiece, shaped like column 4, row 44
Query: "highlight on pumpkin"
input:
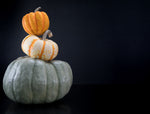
column 36, row 22
column 36, row 47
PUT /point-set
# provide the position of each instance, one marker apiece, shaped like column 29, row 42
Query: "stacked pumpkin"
column 37, row 78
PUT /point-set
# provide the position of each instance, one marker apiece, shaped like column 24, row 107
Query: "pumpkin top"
column 36, row 22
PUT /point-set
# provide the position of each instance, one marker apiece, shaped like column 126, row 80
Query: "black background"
column 104, row 41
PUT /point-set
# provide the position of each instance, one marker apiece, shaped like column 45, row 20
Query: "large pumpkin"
column 28, row 80
column 35, row 22
column 36, row 47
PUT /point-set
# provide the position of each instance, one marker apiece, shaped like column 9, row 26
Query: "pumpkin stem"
column 37, row 9
column 49, row 33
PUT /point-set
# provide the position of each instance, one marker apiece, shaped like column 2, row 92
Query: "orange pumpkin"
column 36, row 47
column 35, row 22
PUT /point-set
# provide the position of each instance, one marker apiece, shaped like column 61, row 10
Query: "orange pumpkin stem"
column 47, row 32
column 37, row 9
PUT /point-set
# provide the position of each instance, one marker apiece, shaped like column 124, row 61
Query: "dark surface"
column 87, row 99
column 104, row 41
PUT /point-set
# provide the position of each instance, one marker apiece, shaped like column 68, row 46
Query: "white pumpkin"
column 36, row 47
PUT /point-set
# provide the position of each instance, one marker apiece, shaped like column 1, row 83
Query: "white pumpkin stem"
column 37, row 9
column 49, row 33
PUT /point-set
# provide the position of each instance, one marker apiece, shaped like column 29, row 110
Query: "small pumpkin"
column 36, row 47
column 35, row 22
column 29, row 80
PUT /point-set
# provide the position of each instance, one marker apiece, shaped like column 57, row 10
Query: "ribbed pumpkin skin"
column 28, row 80
column 35, row 23
column 38, row 48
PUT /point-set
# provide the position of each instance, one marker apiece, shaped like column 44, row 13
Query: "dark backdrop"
column 104, row 41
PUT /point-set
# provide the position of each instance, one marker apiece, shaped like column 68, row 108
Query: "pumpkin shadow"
column 51, row 108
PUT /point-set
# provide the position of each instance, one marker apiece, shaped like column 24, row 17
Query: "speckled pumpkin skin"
column 29, row 80
column 35, row 47
column 35, row 22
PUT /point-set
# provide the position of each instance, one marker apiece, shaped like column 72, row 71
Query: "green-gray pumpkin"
column 29, row 80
